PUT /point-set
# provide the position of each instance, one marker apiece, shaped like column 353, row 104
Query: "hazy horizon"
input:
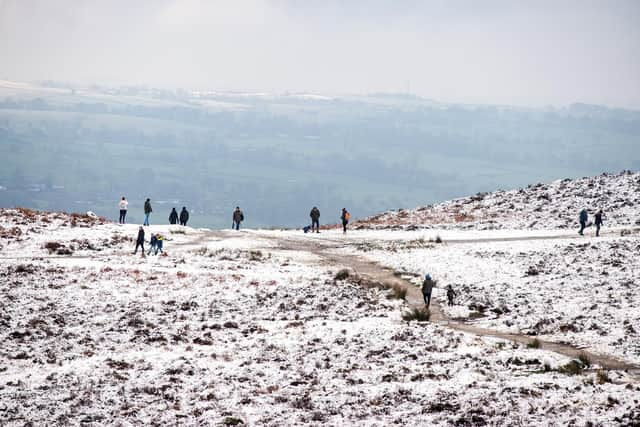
column 497, row 52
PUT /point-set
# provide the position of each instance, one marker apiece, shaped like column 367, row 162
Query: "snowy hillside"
column 539, row 206
column 256, row 328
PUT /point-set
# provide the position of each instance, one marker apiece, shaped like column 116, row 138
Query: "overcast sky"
column 505, row 52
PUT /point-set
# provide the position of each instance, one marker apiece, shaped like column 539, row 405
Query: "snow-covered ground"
column 232, row 327
column 537, row 207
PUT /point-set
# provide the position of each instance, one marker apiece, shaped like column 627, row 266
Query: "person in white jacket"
column 123, row 210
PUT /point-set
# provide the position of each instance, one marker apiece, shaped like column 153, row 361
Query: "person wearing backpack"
column 345, row 219
column 315, row 219
column 184, row 216
column 237, row 217
column 427, row 288
column 123, row 210
column 147, row 211
column 173, row 217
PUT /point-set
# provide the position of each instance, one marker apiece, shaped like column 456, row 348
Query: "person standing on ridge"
column 345, row 216
column 147, row 211
column 315, row 219
column 184, row 216
column 427, row 287
column 123, row 210
column 598, row 222
column 238, row 217
column 173, row 217
column 584, row 216
column 140, row 241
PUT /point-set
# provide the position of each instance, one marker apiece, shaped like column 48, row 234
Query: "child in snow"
column 159, row 243
column 427, row 287
column 451, row 294
column 153, row 245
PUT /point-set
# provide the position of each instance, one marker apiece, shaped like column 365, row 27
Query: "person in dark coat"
column 584, row 216
column 147, row 211
column 345, row 216
column 140, row 241
column 153, row 245
column 451, row 294
column 315, row 219
column 598, row 222
column 184, row 216
column 238, row 217
column 173, row 217
column 427, row 288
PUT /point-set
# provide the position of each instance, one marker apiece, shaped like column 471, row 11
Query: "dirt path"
column 374, row 272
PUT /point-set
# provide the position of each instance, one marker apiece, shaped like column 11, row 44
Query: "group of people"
column 174, row 218
column 584, row 217
column 155, row 243
column 345, row 216
column 427, row 288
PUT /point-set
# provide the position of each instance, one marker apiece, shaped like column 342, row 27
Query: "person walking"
column 160, row 240
column 147, row 211
column 123, row 210
column 598, row 222
column 584, row 216
column 451, row 294
column 153, row 245
column 238, row 217
column 184, row 216
column 427, row 288
column 173, row 217
column 315, row 219
column 140, row 241
column 345, row 216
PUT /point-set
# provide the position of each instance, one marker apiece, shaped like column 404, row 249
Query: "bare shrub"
column 417, row 314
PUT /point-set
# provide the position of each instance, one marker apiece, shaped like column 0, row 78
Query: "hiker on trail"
column 238, row 217
column 598, row 222
column 153, row 245
column 173, row 217
column 140, row 241
column 184, row 216
column 427, row 287
column 159, row 239
column 584, row 216
column 123, row 210
column 147, row 211
column 345, row 216
column 315, row 219
column 451, row 294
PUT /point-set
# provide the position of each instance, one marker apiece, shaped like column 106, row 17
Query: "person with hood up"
column 238, row 217
column 345, row 216
column 147, row 211
column 427, row 288
column 173, row 217
column 584, row 216
column 315, row 219
column 184, row 216
column 123, row 210
column 140, row 241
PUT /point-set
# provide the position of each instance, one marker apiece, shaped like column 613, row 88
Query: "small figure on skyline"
column 598, row 222
column 147, row 211
column 123, row 210
column 584, row 216
column 184, row 216
column 173, row 217
column 238, row 217
column 315, row 219
column 345, row 216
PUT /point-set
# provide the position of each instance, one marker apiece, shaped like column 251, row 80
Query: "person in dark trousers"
column 184, row 216
column 153, row 245
column 451, row 294
column 238, row 217
column 583, row 221
column 159, row 241
column 147, row 211
column 598, row 222
column 173, row 217
column 315, row 219
column 123, row 210
column 345, row 216
column 140, row 241
column 427, row 287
